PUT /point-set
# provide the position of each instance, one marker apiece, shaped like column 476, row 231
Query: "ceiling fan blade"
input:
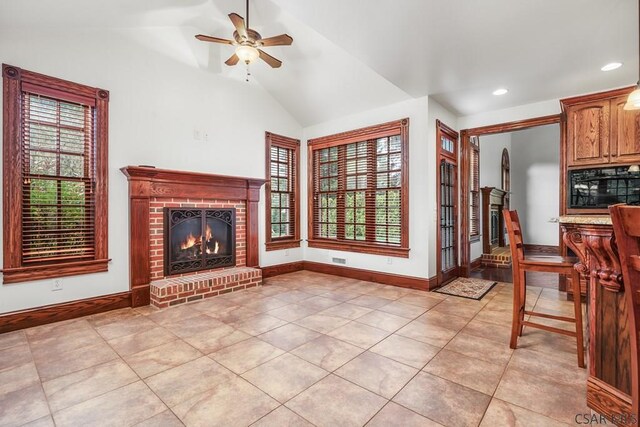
column 233, row 60
column 281, row 40
column 238, row 22
column 212, row 39
column 273, row 62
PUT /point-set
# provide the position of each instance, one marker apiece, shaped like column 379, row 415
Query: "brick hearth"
column 187, row 288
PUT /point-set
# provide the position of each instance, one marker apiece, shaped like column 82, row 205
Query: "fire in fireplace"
column 199, row 239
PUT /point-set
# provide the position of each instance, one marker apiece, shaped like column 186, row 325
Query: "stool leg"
column 577, row 304
column 523, row 298
column 516, row 323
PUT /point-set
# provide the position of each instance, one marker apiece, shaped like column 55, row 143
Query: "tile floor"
column 305, row 349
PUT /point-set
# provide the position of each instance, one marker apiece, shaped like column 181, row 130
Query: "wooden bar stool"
column 550, row 264
column 626, row 227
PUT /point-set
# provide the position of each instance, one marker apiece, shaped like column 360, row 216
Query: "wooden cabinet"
column 625, row 133
column 599, row 132
column 588, row 133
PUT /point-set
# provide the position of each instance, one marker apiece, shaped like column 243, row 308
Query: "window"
column 55, row 194
column 474, row 197
column 506, row 176
column 282, row 201
column 359, row 190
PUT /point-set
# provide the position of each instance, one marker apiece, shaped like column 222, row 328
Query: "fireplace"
column 199, row 239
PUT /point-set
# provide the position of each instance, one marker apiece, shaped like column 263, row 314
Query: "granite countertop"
column 586, row 219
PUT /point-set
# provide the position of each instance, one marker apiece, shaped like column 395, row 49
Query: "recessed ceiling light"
column 612, row 66
column 500, row 91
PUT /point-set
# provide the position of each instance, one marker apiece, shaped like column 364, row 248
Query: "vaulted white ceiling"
column 353, row 55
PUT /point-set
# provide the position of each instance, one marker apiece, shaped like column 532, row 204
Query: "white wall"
column 420, row 184
column 535, row 178
column 157, row 100
column 491, row 147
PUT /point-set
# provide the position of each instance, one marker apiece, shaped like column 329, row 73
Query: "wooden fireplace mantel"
column 146, row 183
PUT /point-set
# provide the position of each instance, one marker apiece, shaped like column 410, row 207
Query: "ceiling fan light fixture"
column 247, row 54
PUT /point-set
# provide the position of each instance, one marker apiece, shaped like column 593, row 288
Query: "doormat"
column 467, row 287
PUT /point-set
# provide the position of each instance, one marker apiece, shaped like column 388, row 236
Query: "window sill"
column 365, row 248
column 282, row 244
column 39, row 272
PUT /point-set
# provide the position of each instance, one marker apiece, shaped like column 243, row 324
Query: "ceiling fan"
column 249, row 42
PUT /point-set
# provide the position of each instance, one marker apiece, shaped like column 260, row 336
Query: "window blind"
column 283, row 193
column 474, row 211
column 58, row 178
column 357, row 191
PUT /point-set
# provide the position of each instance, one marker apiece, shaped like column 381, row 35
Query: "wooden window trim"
column 13, row 80
column 274, row 140
column 475, row 149
column 398, row 127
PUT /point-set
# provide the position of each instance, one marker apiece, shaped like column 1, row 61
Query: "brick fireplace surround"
column 150, row 191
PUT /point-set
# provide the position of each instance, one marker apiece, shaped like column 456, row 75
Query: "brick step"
column 172, row 291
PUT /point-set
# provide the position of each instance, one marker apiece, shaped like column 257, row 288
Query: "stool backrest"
column 626, row 228
column 514, row 230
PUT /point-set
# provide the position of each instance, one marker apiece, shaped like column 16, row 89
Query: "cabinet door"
column 625, row 133
column 588, row 133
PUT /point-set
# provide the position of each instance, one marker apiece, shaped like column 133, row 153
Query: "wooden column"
column 609, row 383
column 146, row 183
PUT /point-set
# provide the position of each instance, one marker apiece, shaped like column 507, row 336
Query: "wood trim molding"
column 147, row 182
column 400, row 127
column 623, row 91
column 476, row 263
column 370, row 132
column 364, row 248
column 13, row 80
column 513, row 126
column 277, row 270
column 58, row 312
column 412, row 282
column 452, row 158
column 465, row 165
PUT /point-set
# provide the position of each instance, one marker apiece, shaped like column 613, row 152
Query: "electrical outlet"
column 205, row 136
column 56, row 285
column 286, row 252
column 197, row 135
column 389, row 260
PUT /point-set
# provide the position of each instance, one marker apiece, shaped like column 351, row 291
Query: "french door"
column 447, row 199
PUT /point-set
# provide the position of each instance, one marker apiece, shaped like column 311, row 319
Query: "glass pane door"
column 448, row 248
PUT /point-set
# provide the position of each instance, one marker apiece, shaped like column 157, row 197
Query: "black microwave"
column 602, row 187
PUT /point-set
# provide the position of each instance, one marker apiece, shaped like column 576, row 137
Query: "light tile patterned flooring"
column 306, row 349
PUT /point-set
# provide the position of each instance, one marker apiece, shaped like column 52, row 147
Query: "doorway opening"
column 517, row 166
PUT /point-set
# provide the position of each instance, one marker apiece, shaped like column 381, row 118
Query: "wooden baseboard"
column 65, row 311
column 276, row 270
column 373, row 276
column 476, row 263
column 545, row 249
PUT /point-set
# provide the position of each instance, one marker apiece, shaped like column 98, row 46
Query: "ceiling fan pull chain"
column 248, row 72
